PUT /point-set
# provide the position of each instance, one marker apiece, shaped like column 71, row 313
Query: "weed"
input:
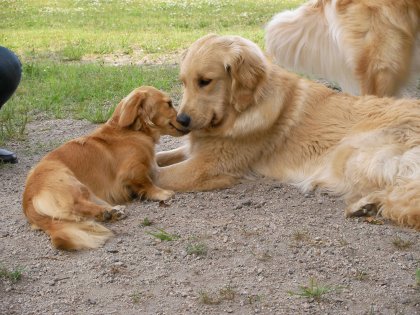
column 418, row 277
column 300, row 236
column 227, row 293
column 361, row 275
column 254, row 298
column 146, row 222
column 401, row 244
column 13, row 275
column 313, row 290
column 135, row 297
column 206, row 298
column 198, row 249
column 163, row 235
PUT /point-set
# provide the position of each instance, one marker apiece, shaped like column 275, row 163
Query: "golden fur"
column 367, row 46
column 81, row 180
column 249, row 116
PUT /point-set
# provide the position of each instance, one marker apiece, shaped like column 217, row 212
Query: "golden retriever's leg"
column 192, row 175
column 177, row 155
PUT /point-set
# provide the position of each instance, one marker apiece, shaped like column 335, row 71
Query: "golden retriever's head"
column 148, row 108
column 222, row 76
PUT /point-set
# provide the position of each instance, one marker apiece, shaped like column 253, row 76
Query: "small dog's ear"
column 128, row 110
column 247, row 67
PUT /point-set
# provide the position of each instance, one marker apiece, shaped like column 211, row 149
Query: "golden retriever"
column 83, row 179
column 366, row 46
column 247, row 116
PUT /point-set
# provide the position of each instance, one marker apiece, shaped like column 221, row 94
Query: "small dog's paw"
column 114, row 214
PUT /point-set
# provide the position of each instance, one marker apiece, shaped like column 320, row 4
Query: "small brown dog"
column 81, row 180
column 367, row 46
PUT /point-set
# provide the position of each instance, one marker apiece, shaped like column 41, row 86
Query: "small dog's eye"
column 203, row 82
column 170, row 104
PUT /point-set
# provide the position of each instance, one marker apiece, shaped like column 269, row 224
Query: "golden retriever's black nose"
column 183, row 119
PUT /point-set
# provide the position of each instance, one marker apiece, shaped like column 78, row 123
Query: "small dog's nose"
column 183, row 119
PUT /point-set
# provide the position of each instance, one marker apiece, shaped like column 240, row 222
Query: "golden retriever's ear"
column 248, row 68
column 129, row 108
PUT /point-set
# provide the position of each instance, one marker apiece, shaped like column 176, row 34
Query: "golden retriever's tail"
column 67, row 230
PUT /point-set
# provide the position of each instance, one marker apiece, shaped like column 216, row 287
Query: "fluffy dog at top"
column 83, row 180
column 366, row 46
column 247, row 116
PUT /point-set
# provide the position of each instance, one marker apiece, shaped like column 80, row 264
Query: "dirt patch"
column 243, row 250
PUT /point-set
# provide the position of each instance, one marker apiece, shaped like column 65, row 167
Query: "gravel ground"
column 248, row 249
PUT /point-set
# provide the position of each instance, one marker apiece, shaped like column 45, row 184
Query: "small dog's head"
column 148, row 108
column 221, row 77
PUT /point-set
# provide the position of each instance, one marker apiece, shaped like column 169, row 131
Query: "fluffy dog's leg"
column 402, row 204
column 192, row 175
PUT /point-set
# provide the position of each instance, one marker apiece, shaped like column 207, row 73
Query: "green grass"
column 79, row 91
column 146, row 222
column 65, row 47
column 198, row 249
column 70, row 30
column 163, row 235
column 418, row 277
column 12, row 275
column 314, row 290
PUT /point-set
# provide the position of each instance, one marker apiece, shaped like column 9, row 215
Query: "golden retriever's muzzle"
column 183, row 119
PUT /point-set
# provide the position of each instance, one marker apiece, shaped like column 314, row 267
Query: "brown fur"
column 253, row 117
column 367, row 46
column 81, row 180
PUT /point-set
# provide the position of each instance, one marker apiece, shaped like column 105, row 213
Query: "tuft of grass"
column 225, row 294
column 361, row 275
column 254, row 298
column 312, row 291
column 300, row 236
column 401, row 244
column 198, row 249
column 135, row 297
column 208, row 299
column 146, row 222
column 418, row 277
column 12, row 275
column 163, row 235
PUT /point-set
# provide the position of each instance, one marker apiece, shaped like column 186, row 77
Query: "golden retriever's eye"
column 204, row 82
column 170, row 104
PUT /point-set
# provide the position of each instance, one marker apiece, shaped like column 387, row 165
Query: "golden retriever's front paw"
column 159, row 194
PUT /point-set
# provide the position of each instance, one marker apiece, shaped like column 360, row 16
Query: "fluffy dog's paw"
column 115, row 214
column 159, row 194
column 356, row 210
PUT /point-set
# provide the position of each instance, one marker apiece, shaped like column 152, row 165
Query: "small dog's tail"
column 67, row 231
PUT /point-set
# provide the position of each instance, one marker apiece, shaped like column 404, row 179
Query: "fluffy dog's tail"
column 68, row 234
column 307, row 40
